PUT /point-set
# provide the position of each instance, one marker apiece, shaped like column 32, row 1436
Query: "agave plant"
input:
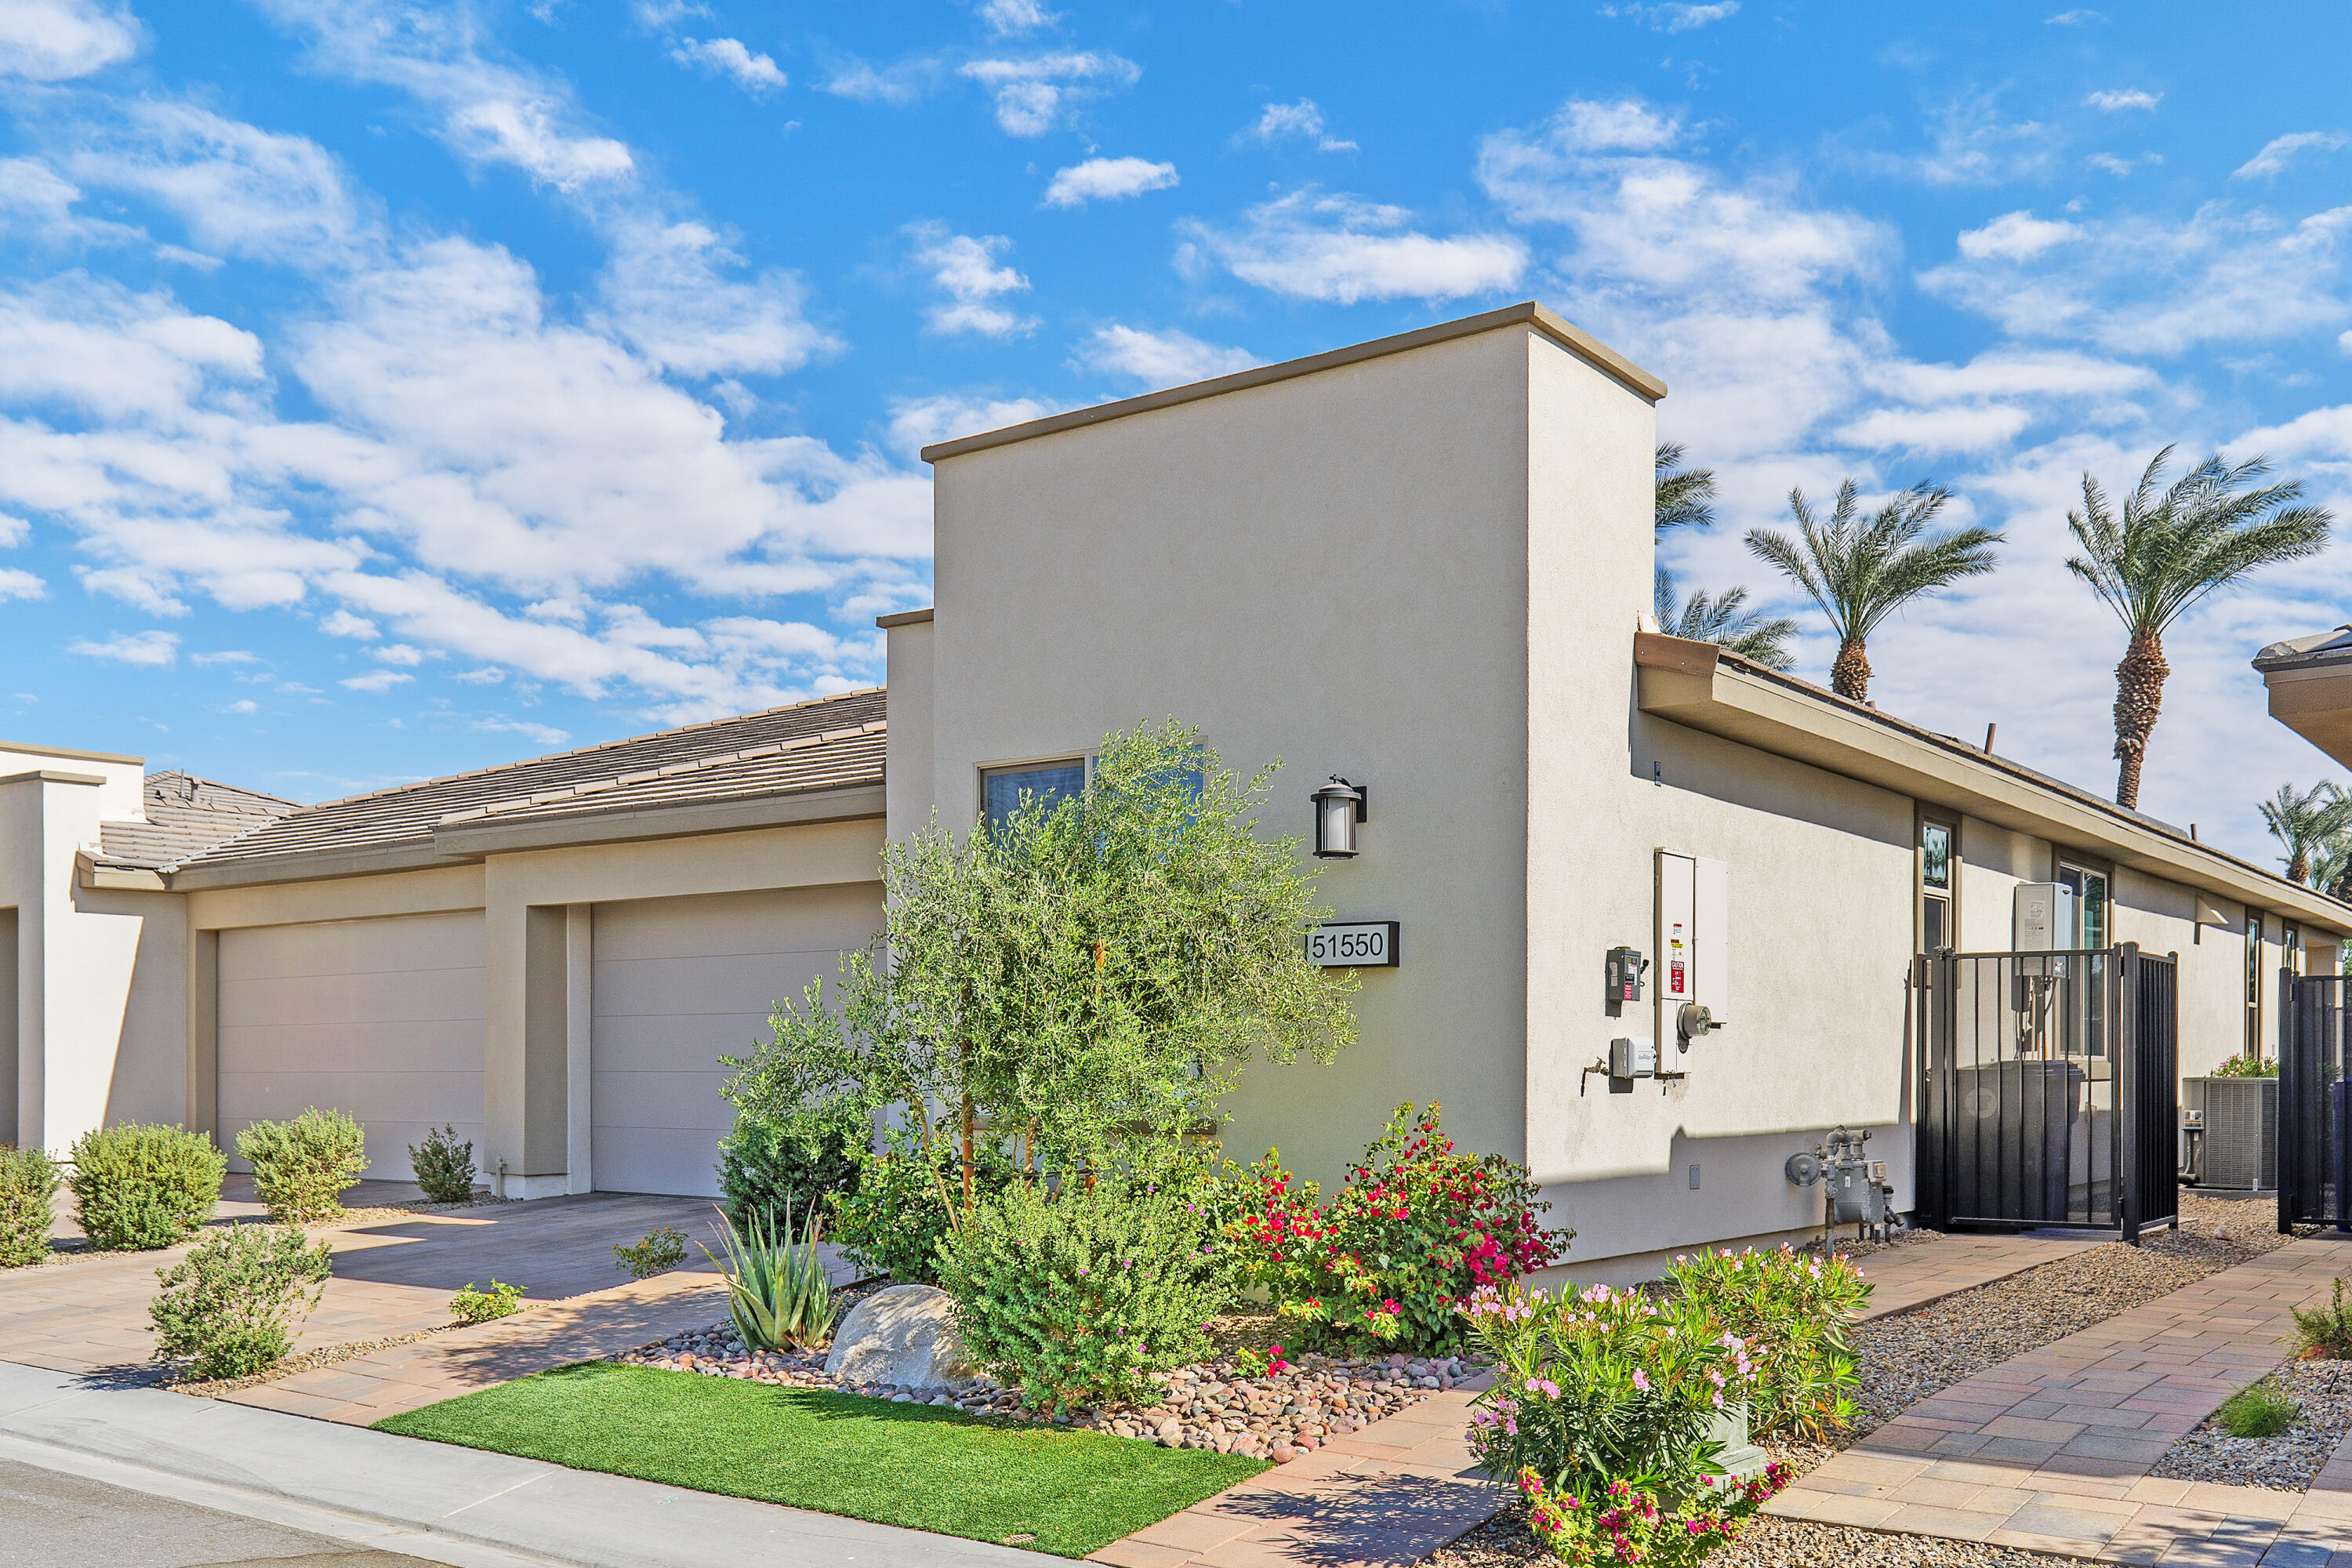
column 777, row 1289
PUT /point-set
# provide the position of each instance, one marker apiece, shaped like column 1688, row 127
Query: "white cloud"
column 1016, row 16
column 964, row 268
column 19, row 584
column 2279, row 151
column 1342, row 249
column 232, row 655
column 1673, row 16
column 918, row 423
column 2108, row 162
column 490, row 675
column 243, row 705
column 754, row 73
column 1279, row 120
column 668, row 291
column 1033, row 94
column 2079, row 18
column 2113, row 101
column 1107, row 180
column 150, row 649
column 14, row 530
column 897, row 86
column 2014, row 236
column 2136, row 285
column 57, row 40
column 400, row 653
column 1159, row 359
column 240, row 190
column 541, row 734
column 343, row 624
column 376, row 680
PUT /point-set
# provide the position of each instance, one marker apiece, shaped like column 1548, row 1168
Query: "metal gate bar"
column 2049, row 1090
column 2311, row 1062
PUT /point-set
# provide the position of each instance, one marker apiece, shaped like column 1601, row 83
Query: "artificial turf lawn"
column 922, row 1466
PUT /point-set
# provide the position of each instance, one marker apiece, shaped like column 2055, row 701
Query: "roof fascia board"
column 119, row 878
column 69, row 754
column 52, row 775
column 904, row 618
column 310, row 865
column 1528, row 313
column 1713, row 696
column 470, row 840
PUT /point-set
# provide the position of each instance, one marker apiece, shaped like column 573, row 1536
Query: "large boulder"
column 904, row 1335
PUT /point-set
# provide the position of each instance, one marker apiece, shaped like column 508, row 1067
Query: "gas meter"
column 1855, row 1190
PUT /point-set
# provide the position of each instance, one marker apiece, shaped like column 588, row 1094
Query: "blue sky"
column 388, row 389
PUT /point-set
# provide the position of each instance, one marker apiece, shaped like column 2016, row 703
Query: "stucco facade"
column 1422, row 564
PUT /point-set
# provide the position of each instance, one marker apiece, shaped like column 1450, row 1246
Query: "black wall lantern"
column 1338, row 807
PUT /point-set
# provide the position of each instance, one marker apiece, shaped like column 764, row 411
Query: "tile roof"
column 830, row 743
column 185, row 814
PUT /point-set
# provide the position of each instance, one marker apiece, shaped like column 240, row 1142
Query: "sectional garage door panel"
column 382, row 1019
column 680, row 981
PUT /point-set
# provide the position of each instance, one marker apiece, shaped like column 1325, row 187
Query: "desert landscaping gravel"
column 1211, row 1404
column 2322, row 1390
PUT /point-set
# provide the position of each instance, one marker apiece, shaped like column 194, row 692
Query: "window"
column 1937, row 929
column 2091, row 915
column 1003, row 790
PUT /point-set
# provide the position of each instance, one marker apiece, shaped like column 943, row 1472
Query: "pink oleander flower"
column 1641, row 1379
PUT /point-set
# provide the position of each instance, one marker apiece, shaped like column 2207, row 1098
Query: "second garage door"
column 381, row 1018
column 678, row 982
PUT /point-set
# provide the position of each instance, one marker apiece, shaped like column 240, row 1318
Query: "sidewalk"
column 2051, row 1450
column 453, row 1505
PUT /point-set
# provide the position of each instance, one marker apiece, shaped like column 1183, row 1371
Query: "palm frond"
column 2166, row 548
column 1684, row 498
column 1859, row 569
column 1725, row 621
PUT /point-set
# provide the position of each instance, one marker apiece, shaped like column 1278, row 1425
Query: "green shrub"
column 28, row 1190
column 1081, row 1295
column 1418, row 1227
column 2248, row 1067
column 2326, row 1332
column 302, row 1168
column 231, row 1307
column 472, row 1306
column 777, row 1290
column 1629, row 1523
column 444, row 1166
column 893, row 1220
column 140, row 1186
column 771, row 1164
column 2261, row 1410
column 1601, row 1387
column 1794, row 1312
column 659, row 1249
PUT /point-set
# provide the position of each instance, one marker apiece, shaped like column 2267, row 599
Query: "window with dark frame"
column 2253, row 985
column 1937, row 929
column 1004, row 790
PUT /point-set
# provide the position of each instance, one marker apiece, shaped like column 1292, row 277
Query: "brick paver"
column 1402, row 1488
column 2051, row 1450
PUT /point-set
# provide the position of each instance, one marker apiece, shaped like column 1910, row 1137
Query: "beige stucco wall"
column 1330, row 570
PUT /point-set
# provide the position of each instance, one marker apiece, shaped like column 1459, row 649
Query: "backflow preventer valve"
column 1855, row 1190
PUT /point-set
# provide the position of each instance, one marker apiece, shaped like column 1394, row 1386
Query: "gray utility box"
column 2241, row 1130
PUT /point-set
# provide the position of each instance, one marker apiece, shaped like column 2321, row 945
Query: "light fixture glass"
column 1338, row 807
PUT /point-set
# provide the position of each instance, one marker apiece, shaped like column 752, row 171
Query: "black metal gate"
column 2049, row 1090
column 2311, row 1063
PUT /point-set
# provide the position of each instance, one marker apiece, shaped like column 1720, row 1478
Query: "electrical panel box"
column 1620, row 976
column 1632, row 1057
column 2044, row 920
column 1694, row 949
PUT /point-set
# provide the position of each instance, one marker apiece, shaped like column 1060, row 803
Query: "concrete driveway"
column 87, row 1313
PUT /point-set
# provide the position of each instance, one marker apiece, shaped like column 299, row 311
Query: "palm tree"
column 1685, row 498
column 2309, row 823
column 1860, row 571
column 2331, row 869
column 1725, row 621
column 2166, row 551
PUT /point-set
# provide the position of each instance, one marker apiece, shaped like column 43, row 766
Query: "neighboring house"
column 1420, row 563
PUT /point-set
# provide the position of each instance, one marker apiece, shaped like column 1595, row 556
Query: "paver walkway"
column 1403, row 1486
column 2051, row 1450
column 88, row 1313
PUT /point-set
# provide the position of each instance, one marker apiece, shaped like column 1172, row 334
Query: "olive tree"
column 1074, row 986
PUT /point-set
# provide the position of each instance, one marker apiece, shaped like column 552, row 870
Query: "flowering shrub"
column 1081, row 1296
column 1793, row 1310
column 1626, row 1526
column 1419, row 1226
column 1602, row 1387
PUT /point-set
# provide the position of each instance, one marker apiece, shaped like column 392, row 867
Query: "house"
column 1422, row 565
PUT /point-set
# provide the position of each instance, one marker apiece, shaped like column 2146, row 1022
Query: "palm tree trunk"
column 2140, row 694
column 1849, row 672
column 2299, row 868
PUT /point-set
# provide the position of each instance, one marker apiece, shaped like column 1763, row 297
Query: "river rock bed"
column 2287, row 1462
column 1210, row 1404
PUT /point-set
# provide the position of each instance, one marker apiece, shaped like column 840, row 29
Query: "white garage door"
column 678, row 982
column 381, row 1018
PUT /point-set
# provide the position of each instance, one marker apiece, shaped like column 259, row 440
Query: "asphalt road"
column 64, row 1522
